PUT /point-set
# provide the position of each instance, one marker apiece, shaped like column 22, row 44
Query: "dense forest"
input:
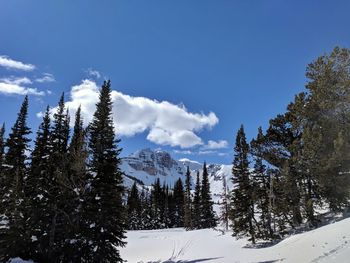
column 65, row 200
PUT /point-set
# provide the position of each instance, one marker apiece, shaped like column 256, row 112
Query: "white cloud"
column 16, row 80
column 7, row 88
column 216, row 145
column 186, row 152
column 165, row 123
column 9, row 63
column 47, row 77
column 93, row 73
column 207, row 152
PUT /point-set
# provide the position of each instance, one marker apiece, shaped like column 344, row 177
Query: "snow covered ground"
column 330, row 244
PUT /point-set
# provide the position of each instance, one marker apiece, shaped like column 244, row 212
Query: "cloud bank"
column 9, row 63
column 164, row 122
column 214, row 145
column 7, row 88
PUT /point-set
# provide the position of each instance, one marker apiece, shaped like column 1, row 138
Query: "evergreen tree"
column 14, row 237
column 57, row 184
column 37, row 191
column 166, row 210
column 2, row 159
column 74, row 190
column 261, row 188
column 104, row 225
column 196, row 217
column 206, row 204
column 179, row 200
column 2, row 147
column 224, row 206
column 134, row 208
column 242, row 213
column 157, row 205
column 188, row 201
column 145, row 217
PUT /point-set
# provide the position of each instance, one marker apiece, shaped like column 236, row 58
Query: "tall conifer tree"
column 104, row 217
column 207, row 212
column 14, row 237
column 196, row 217
column 188, row 201
column 241, row 200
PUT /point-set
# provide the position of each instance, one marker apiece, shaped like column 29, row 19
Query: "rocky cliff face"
column 146, row 165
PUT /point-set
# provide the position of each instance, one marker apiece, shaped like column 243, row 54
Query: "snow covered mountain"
column 145, row 166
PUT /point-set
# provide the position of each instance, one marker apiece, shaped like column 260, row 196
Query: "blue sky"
column 186, row 74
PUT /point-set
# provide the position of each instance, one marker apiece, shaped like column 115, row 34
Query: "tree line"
column 168, row 208
column 302, row 162
column 63, row 202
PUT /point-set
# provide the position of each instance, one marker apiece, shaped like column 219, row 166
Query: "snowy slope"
column 330, row 243
column 146, row 165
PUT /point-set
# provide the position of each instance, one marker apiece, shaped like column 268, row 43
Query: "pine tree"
column 179, row 199
column 224, row 206
column 104, row 226
column 134, row 208
column 57, row 184
column 145, row 217
column 74, row 191
column 2, row 147
column 14, row 237
column 261, row 188
column 37, row 190
column 2, row 158
column 196, row 217
column 157, row 205
column 206, row 204
column 188, row 202
column 242, row 214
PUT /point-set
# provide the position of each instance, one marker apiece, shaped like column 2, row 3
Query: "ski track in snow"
column 327, row 244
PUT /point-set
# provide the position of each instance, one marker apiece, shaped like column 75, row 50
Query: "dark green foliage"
column 37, row 191
column 75, row 192
column 134, row 209
column 242, row 206
column 179, row 201
column 261, row 189
column 2, row 146
column 188, row 201
column 206, row 204
column 57, row 187
column 13, row 232
column 104, row 225
column 157, row 202
column 196, row 216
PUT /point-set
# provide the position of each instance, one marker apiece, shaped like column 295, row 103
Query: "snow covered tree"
column 104, row 226
column 188, row 201
column 166, row 209
column 196, row 216
column 134, row 208
column 157, row 202
column 242, row 213
column 14, row 237
column 2, row 158
column 2, row 147
column 224, row 205
column 261, row 188
column 56, row 183
column 37, row 191
column 179, row 199
column 206, row 203
column 74, row 190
